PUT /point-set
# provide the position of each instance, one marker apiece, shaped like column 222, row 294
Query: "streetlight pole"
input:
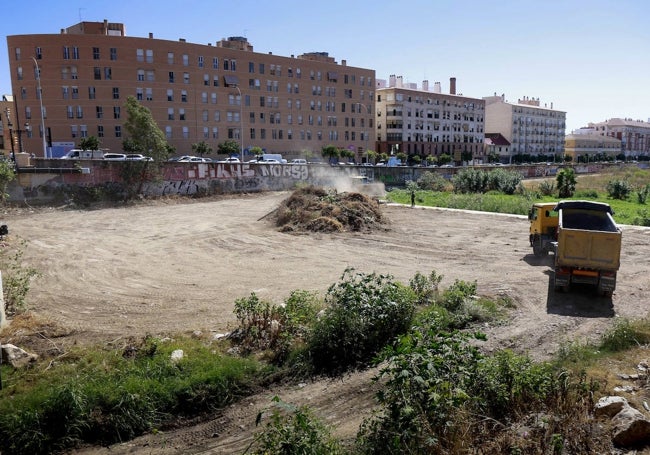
column 241, row 123
column 40, row 99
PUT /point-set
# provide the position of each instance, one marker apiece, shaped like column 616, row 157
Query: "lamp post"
column 40, row 100
column 241, row 123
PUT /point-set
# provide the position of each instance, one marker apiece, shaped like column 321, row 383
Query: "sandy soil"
column 178, row 267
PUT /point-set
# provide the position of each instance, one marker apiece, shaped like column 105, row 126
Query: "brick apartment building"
column 196, row 92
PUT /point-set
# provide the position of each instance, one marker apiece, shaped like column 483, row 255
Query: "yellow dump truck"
column 586, row 242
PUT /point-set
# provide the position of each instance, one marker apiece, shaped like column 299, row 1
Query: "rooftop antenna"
column 80, row 20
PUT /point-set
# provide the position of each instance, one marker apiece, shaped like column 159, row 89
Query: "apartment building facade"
column 591, row 147
column 195, row 92
column 633, row 134
column 530, row 128
column 423, row 122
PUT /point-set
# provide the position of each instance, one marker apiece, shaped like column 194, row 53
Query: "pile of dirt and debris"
column 317, row 209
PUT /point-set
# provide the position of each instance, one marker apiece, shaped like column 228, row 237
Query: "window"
column 215, row 133
column 69, row 112
column 100, row 131
column 186, row 132
column 215, row 81
column 206, row 79
column 204, row 97
column 261, row 68
column 251, row 67
column 213, row 98
column 113, row 53
column 170, row 113
column 80, row 112
column 108, row 73
column 64, row 72
column 97, row 71
column 66, row 53
column 141, row 75
column 95, row 53
column 75, row 53
column 149, row 56
column 116, row 93
column 170, row 58
column 150, row 76
column 217, row 116
column 65, row 92
column 206, row 132
column 118, row 131
column 75, row 93
column 170, row 95
column 116, row 112
column 205, row 115
column 168, row 132
column 186, row 78
column 91, row 93
column 139, row 55
column 148, row 94
column 139, row 94
column 73, row 73
column 73, row 131
column 226, row 64
column 181, row 114
column 184, row 96
column 99, row 112
column 186, row 60
column 200, row 61
column 215, row 63
column 171, row 77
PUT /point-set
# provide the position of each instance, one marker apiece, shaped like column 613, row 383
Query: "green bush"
column 547, row 188
column 16, row 277
column 425, row 287
column 292, row 430
column 432, row 181
column 504, row 181
column 365, row 312
column 470, row 181
column 642, row 194
column 618, row 189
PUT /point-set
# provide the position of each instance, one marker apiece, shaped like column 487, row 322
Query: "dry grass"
column 316, row 209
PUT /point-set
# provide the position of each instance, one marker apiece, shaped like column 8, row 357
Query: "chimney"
column 391, row 80
column 400, row 82
column 452, row 85
column 425, row 86
column 437, row 88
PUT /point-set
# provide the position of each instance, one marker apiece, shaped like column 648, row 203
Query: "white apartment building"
column 633, row 134
column 530, row 128
column 423, row 122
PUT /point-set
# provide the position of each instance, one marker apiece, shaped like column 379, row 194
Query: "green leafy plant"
column 364, row 313
column 618, row 189
column 16, row 277
column 292, row 430
column 426, row 287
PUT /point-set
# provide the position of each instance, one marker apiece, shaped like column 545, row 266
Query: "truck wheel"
column 538, row 251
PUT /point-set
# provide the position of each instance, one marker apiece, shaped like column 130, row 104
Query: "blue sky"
column 590, row 58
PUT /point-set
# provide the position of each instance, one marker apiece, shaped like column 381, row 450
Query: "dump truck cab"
column 543, row 227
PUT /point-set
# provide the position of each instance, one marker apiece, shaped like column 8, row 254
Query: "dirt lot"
column 172, row 267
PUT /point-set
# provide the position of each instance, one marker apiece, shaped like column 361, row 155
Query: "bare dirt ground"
column 169, row 267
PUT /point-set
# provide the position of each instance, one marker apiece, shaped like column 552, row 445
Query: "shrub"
column 618, row 189
column 432, row 181
column 16, row 277
column 292, row 430
column 642, row 194
column 547, row 187
column 454, row 296
column 470, row 181
column 364, row 313
column 425, row 287
column 504, row 181
column 566, row 182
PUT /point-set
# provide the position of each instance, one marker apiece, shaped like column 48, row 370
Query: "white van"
column 78, row 154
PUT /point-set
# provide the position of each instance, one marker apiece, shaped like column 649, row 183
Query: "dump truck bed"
column 588, row 236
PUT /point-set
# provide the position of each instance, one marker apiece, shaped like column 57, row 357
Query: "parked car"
column 137, row 157
column 114, row 156
column 269, row 161
column 231, row 159
column 298, row 161
column 176, row 159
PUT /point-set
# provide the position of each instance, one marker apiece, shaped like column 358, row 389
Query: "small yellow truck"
column 585, row 239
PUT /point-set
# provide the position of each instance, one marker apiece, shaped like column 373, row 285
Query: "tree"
column 403, row 157
column 431, row 160
column 230, row 148
column 89, row 143
column 444, row 158
column 566, row 182
column 202, row 148
column 330, row 152
column 371, row 156
column 257, row 151
column 466, row 156
column 345, row 153
column 7, row 174
column 143, row 134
